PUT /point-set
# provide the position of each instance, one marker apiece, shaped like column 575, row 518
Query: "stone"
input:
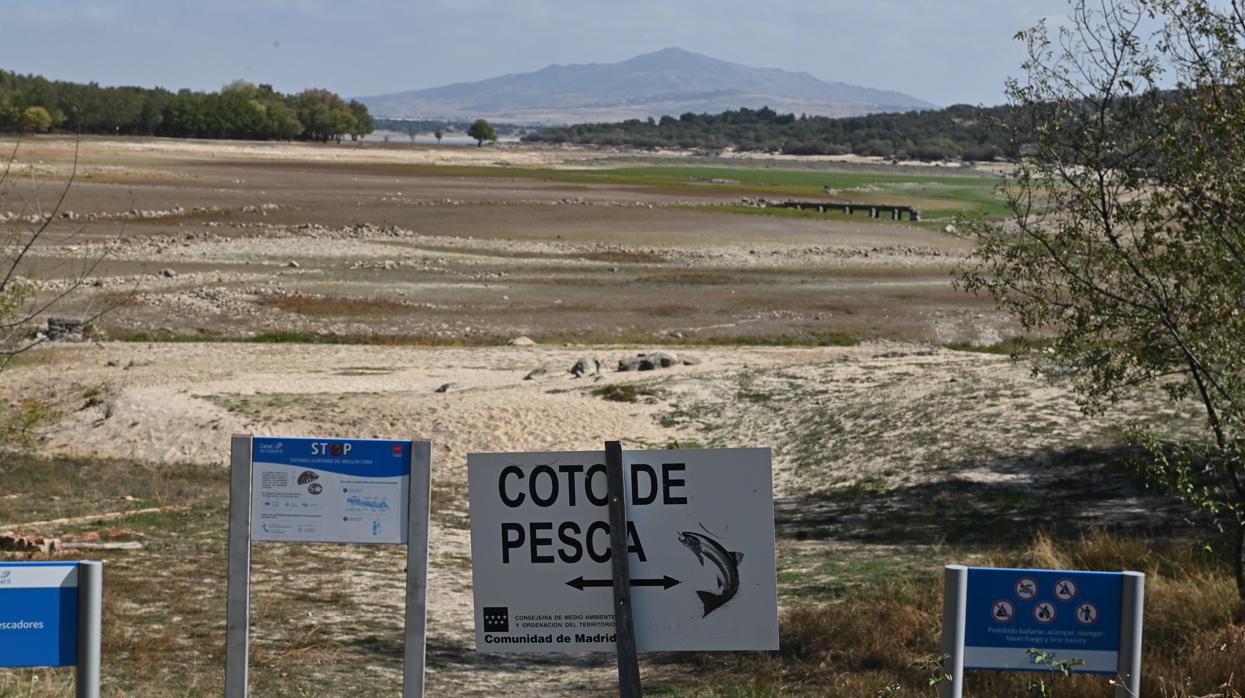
column 522, row 342
column 649, row 362
column 168, row 273
column 64, row 328
column 689, row 360
column 586, row 367
column 535, row 373
column 292, row 264
column 451, row 388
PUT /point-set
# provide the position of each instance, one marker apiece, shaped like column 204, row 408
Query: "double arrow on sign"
column 580, row 583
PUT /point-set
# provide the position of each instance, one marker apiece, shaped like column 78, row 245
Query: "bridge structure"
column 893, row 211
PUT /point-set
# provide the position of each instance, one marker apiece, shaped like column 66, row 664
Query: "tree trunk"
column 1238, row 567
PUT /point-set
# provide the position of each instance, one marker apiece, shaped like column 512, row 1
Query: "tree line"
column 242, row 110
column 959, row 132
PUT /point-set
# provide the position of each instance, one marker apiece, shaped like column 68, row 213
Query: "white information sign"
column 329, row 490
column 700, row 536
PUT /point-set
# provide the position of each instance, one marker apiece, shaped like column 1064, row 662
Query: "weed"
column 624, row 392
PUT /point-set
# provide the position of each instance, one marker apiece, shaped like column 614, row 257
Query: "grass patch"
column 334, row 306
column 1012, row 346
column 624, row 392
column 881, row 639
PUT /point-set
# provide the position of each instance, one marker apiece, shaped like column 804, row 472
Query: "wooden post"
column 624, row 627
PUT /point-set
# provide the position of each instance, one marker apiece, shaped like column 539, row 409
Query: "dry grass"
column 882, row 639
column 334, row 306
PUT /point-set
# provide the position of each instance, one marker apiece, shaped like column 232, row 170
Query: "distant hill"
column 667, row 82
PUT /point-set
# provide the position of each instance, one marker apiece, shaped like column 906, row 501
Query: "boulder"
column 535, row 373
column 586, row 367
column 64, row 328
column 451, row 388
column 689, row 360
column 648, row 362
column 168, row 273
column 522, row 342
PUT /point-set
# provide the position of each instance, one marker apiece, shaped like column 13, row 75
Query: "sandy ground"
column 237, row 239
column 895, row 419
column 877, row 446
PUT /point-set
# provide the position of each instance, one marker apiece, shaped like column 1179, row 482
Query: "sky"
column 943, row 51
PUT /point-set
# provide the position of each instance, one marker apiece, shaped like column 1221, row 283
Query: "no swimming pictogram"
column 1026, row 588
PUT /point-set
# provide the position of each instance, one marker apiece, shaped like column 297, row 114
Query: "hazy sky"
column 944, row 51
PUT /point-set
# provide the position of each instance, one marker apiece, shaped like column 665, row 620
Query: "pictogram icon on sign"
column 1003, row 611
column 1026, row 589
column 1065, row 590
column 1087, row 614
column 1044, row 612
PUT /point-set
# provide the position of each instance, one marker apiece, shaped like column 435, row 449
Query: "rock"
column 690, row 360
column 535, row 373
column 649, row 362
column 522, row 342
column 168, row 273
column 27, row 543
column 949, row 229
column 586, row 367
column 451, row 388
column 662, row 359
column 292, row 264
column 64, row 328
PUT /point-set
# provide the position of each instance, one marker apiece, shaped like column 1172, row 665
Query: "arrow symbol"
column 665, row 582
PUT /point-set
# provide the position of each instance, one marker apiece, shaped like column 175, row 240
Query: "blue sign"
column 1066, row 615
column 38, row 614
column 329, row 490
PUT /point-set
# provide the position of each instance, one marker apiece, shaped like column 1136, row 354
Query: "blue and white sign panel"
column 38, row 614
column 1070, row 615
column 329, row 490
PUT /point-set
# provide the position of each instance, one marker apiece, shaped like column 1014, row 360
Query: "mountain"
column 671, row 81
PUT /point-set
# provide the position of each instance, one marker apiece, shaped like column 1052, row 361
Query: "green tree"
column 35, row 120
column 1126, row 243
column 438, row 134
column 363, row 124
column 482, row 130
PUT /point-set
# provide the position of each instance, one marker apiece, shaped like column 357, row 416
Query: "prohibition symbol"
column 1065, row 590
column 1044, row 612
column 1026, row 589
column 1003, row 611
column 1087, row 614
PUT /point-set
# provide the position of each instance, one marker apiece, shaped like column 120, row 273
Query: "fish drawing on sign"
column 726, row 562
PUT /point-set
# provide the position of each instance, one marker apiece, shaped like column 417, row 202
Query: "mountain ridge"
column 670, row 81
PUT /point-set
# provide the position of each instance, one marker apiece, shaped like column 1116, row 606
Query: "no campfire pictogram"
column 1026, row 589
column 1044, row 612
column 1003, row 611
column 1087, row 614
column 1065, row 590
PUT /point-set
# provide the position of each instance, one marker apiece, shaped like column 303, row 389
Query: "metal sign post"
column 328, row 490
column 51, row 615
column 418, row 515
column 90, row 628
column 992, row 618
column 624, row 628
